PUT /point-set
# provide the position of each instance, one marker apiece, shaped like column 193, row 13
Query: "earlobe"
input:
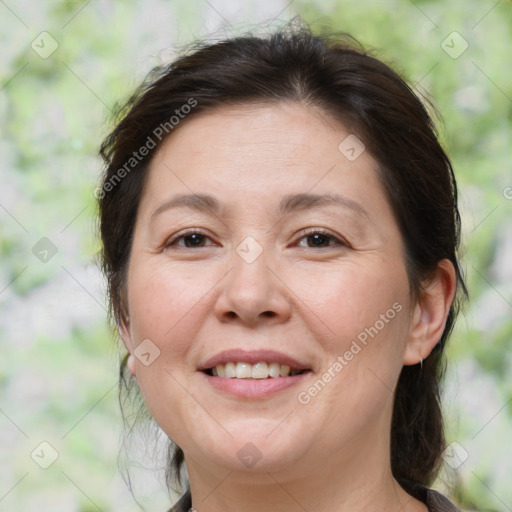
column 414, row 351
column 131, row 364
column 430, row 313
column 123, row 328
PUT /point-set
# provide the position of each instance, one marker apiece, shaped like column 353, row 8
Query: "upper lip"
column 252, row 357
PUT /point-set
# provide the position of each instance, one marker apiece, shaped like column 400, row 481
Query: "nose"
column 252, row 294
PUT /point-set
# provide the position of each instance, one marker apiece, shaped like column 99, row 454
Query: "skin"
column 331, row 454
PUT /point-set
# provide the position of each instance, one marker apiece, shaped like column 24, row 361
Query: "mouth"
column 252, row 375
column 259, row 371
column 253, row 388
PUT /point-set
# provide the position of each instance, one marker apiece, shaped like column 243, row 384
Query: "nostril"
column 269, row 313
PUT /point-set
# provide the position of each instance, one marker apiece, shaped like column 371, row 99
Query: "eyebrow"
column 295, row 202
column 200, row 202
column 288, row 204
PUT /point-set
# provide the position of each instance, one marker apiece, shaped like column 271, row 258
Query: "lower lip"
column 253, row 388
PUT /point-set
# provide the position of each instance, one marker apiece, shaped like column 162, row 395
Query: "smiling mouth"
column 261, row 370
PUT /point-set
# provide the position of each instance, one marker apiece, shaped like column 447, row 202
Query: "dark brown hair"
column 338, row 77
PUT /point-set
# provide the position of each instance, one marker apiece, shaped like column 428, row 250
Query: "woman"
column 280, row 233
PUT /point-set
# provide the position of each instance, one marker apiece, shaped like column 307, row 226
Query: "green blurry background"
column 64, row 66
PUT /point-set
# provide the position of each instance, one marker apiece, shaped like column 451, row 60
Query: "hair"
column 337, row 76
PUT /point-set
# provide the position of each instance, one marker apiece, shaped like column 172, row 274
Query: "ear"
column 124, row 332
column 430, row 313
column 123, row 328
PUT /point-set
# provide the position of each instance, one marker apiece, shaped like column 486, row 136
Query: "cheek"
column 168, row 305
column 364, row 309
column 163, row 300
column 165, row 306
column 353, row 300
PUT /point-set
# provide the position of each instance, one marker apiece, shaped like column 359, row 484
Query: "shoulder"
column 434, row 500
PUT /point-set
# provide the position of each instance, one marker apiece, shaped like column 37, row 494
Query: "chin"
column 253, row 446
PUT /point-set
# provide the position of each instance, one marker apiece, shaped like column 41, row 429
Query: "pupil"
column 318, row 240
column 193, row 240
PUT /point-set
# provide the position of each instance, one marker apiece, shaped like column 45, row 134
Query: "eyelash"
column 323, row 232
column 304, row 234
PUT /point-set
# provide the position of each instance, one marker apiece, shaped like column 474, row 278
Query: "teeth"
column 274, row 369
column 230, row 370
column 243, row 371
column 261, row 370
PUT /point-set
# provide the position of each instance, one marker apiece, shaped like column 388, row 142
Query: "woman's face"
column 264, row 236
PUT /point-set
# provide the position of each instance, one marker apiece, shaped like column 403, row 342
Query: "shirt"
column 434, row 501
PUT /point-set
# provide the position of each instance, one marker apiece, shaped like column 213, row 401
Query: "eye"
column 189, row 240
column 320, row 239
column 314, row 239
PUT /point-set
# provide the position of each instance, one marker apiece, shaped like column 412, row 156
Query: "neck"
column 359, row 480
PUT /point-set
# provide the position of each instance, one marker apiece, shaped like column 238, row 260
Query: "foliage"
column 60, row 383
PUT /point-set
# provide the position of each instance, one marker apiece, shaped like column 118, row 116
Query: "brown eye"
column 320, row 239
column 189, row 240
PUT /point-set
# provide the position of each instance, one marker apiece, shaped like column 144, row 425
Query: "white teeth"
column 274, row 369
column 230, row 370
column 243, row 371
column 261, row 370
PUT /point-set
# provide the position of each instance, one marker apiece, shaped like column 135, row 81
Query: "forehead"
column 260, row 149
column 284, row 131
